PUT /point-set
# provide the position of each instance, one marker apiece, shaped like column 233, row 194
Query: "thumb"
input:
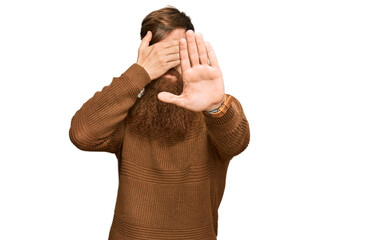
column 146, row 40
column 171, row 98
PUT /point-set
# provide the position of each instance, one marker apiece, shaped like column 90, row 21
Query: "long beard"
column 159, row 120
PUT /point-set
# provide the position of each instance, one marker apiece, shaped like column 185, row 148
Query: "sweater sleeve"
column 228, row 129
column 99, row 124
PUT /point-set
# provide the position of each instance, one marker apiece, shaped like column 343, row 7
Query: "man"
column 173, row 130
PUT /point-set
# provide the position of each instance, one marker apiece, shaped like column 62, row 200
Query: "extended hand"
column 203, row 82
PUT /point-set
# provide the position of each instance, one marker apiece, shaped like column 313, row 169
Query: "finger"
column 168, row 97
column 201, row 49
column 172, row 50
column 184, row 57
column 173, row 64
column 173, row 57
column 192, row 48
column 146, row 40
column 211, row 55
column 168, row 44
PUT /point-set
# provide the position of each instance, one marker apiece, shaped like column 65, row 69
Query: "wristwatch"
column 217, row 110
column 223, row 109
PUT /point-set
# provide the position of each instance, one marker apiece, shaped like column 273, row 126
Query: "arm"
column 228, row 128
column 99, row 124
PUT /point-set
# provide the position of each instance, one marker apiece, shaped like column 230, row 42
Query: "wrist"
column 215, row 107
column 148, row 71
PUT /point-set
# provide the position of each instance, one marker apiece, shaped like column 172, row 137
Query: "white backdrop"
column 312, row 77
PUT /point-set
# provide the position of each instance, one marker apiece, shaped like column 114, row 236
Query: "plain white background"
column 312, row 77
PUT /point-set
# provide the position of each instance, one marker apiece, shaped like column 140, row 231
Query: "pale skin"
column 194, row 59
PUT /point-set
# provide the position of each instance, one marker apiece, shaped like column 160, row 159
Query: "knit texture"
column 168, row 190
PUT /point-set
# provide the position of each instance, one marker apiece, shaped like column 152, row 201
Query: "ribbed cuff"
column 135, row 76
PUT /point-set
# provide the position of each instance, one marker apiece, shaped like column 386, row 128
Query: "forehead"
column 176, row 34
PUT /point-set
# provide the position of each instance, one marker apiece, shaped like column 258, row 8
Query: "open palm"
column 203, row 88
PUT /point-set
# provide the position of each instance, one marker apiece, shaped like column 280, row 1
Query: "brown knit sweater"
column 167, row 190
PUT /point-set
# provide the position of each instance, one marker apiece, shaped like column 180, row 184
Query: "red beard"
column 159, row 120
